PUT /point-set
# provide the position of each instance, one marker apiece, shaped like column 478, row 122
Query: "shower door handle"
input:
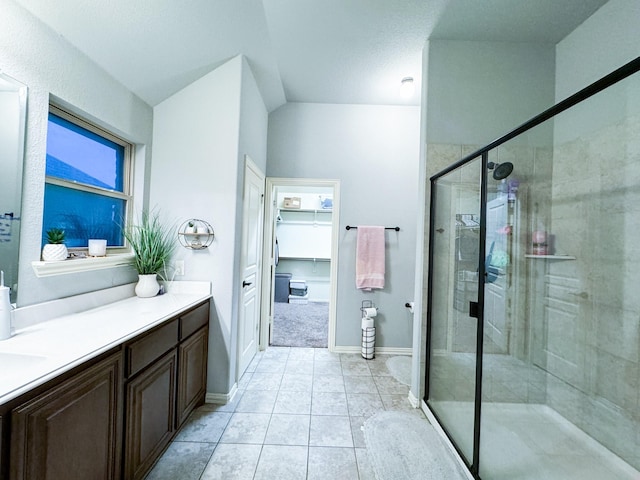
column 583, row 295
column 473, row 309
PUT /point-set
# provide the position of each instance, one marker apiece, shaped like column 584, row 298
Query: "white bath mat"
column 402, row 446
column 400, row 368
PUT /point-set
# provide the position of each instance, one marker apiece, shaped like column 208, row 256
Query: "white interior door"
column 252, row 222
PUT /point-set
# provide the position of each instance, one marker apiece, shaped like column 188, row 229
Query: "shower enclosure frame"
column 477, row 308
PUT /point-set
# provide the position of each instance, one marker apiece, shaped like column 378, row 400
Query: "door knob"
column 245, row 283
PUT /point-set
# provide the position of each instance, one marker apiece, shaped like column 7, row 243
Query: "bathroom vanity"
column 100, row 394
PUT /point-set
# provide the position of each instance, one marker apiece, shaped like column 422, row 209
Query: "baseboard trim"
column 380, row 350
column 413, row 400
column 221, row 398
column 394, row 351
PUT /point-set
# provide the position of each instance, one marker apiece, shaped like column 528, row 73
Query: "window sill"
column 76, row 265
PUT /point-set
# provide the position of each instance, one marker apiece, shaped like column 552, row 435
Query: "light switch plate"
column 179, row 265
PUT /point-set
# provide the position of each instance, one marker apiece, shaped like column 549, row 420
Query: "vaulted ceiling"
column 321, row 51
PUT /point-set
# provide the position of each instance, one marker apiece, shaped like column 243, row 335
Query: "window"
column 87, row 186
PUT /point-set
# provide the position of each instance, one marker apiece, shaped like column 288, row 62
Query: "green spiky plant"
column 152, row 242
column 55, row 236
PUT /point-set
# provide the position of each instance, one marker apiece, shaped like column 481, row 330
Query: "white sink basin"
column 13, row 362
column 17, row 369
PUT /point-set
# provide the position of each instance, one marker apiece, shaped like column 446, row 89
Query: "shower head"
column 500, row 170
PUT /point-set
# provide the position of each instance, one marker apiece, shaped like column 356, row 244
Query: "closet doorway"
column 300, row 263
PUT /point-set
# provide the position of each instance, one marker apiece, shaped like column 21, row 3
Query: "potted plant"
column 152, row 243
column 55, row 250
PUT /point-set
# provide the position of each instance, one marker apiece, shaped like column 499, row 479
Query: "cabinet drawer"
column 153, row 345
column 193, row 320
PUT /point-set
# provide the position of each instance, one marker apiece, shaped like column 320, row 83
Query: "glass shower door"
column 561, row 347
column 455, row 234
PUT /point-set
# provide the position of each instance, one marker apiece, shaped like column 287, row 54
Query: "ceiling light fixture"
column 407, row 88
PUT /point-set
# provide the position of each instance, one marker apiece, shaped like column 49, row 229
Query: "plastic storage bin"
column 281, row 293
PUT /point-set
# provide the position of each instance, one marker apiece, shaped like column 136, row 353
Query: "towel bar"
column 397, row 229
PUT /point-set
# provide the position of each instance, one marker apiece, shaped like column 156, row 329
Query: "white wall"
column 51, row 68
column 479, row 91
column 198, row 156
column 605, row 41
column 373, row 151
column 254, row 120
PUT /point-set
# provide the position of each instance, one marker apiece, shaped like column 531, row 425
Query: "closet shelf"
column 307, row 210
column 303, row 222
column 552, row 257
column 310, row 259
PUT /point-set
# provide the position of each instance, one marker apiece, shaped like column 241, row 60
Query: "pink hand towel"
column 370, row 258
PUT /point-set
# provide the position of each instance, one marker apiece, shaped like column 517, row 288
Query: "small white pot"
column 54, row 252
column 97, row 247
column 147, row 286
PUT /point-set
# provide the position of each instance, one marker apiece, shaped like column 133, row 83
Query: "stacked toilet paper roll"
column 367, row 322
column 370, row 312
column 367, row 319
column 368, row 332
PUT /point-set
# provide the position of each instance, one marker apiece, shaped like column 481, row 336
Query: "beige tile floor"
column 297, row 415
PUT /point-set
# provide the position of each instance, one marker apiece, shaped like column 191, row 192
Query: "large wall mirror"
column 13, row 114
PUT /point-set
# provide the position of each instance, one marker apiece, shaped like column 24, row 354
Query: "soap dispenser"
column 5, row 310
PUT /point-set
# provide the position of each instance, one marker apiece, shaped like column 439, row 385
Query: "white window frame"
column 125, row 195
column 116, row 255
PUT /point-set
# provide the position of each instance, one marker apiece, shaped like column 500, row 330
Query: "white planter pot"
column 54, row 252
column 147, row 286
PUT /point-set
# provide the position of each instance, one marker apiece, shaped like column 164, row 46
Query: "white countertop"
column 40, row 351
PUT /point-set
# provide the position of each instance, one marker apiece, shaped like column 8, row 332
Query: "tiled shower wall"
column 596, row 217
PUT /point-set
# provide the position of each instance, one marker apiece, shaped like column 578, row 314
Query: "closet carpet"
column 301, row 325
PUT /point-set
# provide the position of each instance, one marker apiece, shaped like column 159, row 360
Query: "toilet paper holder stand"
column 366, row 307
column 369, row 310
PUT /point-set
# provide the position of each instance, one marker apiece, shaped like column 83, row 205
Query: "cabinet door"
column 150, row 415
column 73, row 430
column 192, row 378
column 4, row 460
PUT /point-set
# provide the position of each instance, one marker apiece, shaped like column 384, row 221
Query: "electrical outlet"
column 179, row 264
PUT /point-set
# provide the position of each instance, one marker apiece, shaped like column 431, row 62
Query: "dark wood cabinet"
column 163, row 388
column 4, row 460
column 73, row 430
column 192, row 376
column 150, row 415
column 112, row 417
